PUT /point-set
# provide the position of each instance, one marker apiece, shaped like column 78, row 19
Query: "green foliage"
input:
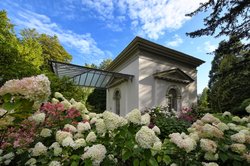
column 203, row 105
column 105, row 63
column 12, row 63
column 168, row 123
column 171, row 125
column 97, row 99
column 67, row 88
column 223, row 18
column 229, row 76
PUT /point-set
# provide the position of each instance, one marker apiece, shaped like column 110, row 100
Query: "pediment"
column 174, row 75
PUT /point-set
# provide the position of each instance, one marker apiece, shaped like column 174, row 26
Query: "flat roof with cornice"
column 139, row 43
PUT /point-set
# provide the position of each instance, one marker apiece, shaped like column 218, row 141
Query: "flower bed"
column 64, row 132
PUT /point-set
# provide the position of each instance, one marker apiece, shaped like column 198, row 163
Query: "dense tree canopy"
column 230, row 76
column 227, row 17
column 14, row 61
column 51, row 49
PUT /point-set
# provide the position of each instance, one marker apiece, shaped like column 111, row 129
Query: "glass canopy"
column 88, row 77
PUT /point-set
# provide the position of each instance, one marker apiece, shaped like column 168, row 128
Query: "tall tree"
column 230, row 76
column 30, row 49
column 12, row 63
column 52, row 49
column 105, row 63
column 227, row 17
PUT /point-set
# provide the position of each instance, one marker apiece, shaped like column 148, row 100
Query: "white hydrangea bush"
column 96, row 139
column 75, row 136
column 221, row 139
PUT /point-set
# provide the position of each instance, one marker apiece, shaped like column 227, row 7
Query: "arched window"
column 117, row 97
column 172, row 99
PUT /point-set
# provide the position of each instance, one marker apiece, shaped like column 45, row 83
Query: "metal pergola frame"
column 88, row 77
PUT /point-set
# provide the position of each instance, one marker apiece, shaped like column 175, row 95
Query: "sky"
column 95, row 30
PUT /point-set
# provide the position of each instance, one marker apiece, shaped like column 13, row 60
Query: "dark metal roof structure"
column 88, row 77
column 174, row 75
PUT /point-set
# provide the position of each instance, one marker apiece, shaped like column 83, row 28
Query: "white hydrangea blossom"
column 173, row 164
column 112, row 158
column 39, row 149
column 54, row 145
column 208, row 145
column 99, row 115
column 247, row 157
column 80, row 106
column 211, row 156
column 54, row 163
column 248, row 109
column 78, row 135
column 7, row 162
column 54, row 101
column 81, row 127
column 45, row 133
column 222, row 126
column 93, row 120
column 80, row 143
column 209, row 118
column 194, row 136
column 183, row 141
column 96, row 153
column 244, row 120
column 70, row 127
column 61, row 135
column 156, row 130
column 91, row 137
column 134, row 116
column 92, row 115
column 2, row 111
column 68, row 142
column 66, row 104
column 111, row 120
column 157, row 146
column 58, row 95
column 35, row 88
column 145, row 119
column 123, row 121
column 9, row 156
column 245, row 131
column 38, row 117
column 85, row 117
column 238, row 148
column 231, row 126
column 57, row 151
column 211, row 131
column 31, row 162
column 100, row 126
column 146, row 137
column 210, row 164
column 236, row 119
column 226, row 113
column 238, row 137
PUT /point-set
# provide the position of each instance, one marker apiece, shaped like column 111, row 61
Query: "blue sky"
column 94, row 30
